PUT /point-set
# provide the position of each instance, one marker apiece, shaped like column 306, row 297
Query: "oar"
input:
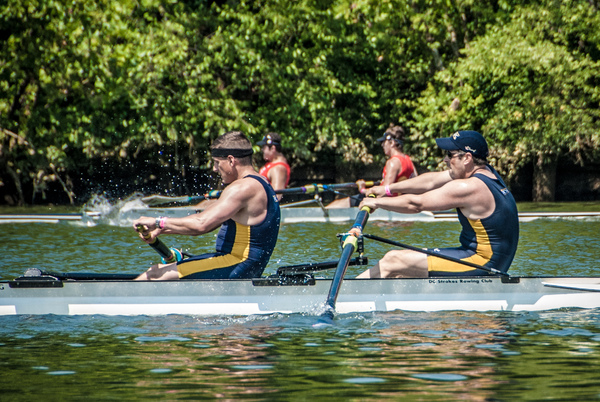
column 168, row 255
column 317, row 266
column 156, row 199
column 350, row 243
column 89, row 276
column 320, row 188
column 420, row 250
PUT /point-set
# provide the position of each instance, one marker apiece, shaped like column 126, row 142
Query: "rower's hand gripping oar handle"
column 169, row 255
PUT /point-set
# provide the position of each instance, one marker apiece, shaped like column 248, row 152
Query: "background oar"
column 320, row 188
column 350, row 243
column 168, row 255
column 424, row 251
column 156, row 199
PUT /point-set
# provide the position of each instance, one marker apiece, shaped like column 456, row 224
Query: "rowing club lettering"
column 460, row 281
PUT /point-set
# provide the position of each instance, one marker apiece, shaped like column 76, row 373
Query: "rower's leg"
column 160, row 272
column 341, row 203
column 399, row 264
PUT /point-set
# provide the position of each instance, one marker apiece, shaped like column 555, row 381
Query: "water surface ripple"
column 397, row 355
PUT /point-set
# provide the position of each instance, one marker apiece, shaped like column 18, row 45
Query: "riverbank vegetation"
column 119, row 96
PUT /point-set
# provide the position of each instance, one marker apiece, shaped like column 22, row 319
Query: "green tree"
column 531, row 86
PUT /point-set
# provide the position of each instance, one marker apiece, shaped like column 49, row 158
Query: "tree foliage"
column 531, row 85
column 148, row 84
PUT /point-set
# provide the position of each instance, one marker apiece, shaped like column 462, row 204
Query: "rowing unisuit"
column 264, row 171
column 407, row 171
column 491, row 242
column 241, row 251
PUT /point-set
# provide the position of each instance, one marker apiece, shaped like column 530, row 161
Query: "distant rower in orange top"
column 277, row 170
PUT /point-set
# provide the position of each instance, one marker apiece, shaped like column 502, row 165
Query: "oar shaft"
column 340, row 271
column 316, row 266
column 350, row 244
column 308, row 189
column 320, row 188
column 153, row 200
column 425, row 251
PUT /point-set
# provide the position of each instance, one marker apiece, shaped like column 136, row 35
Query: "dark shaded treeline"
column 120, row 96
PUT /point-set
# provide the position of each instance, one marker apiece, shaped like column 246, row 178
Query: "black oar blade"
column 325, row 319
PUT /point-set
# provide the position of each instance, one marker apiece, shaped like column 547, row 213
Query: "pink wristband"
column 387, row 191
column 161, row 222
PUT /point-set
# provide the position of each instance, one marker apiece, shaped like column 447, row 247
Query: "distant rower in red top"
column 398, row 167
column 277, row 170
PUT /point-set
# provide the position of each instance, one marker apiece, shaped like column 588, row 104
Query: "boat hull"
column 268, row 296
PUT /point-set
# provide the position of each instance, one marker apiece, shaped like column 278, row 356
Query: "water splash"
column 101, row 210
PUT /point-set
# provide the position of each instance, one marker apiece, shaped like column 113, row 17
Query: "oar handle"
column 161, row 248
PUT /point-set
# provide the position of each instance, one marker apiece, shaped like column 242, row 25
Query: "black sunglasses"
column 452, row 154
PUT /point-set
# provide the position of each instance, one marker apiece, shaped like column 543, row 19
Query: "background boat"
column 288, row 215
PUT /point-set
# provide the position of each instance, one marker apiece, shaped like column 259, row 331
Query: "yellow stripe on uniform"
column 483, row 255
column 484, row 247
column 239, row 253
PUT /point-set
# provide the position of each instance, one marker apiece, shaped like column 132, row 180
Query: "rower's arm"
column 392, row 168
column 416, row 185
column 229, row 206
column 453, row 194
column 232, row 204
column 278, row 178
column 422, row 183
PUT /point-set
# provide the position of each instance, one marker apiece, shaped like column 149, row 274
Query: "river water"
column 502, row 356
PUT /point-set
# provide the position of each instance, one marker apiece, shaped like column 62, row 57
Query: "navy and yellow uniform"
column 490, row 242
column 241, row 251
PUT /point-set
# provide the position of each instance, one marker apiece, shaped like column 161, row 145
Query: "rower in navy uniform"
column 247, row 212
column 486, row 210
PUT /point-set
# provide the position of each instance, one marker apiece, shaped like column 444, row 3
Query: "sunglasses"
column 452, row 154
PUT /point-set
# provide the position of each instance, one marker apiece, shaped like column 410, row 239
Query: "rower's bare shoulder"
column 250, row 188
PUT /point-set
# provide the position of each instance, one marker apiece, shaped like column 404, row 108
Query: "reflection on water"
column 406, row 356
column 466, row 356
